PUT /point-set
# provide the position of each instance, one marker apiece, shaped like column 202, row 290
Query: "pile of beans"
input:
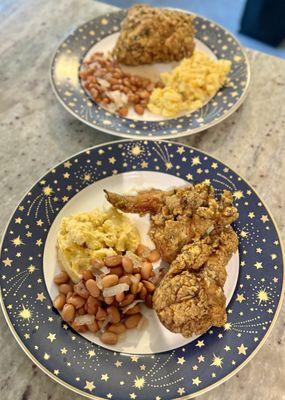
column 105, row 80
column 85, row 305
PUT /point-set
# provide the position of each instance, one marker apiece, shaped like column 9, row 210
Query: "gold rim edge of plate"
column 166, row 136
column 189, row 396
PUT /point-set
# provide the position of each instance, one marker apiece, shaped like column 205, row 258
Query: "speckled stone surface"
column 36, row 133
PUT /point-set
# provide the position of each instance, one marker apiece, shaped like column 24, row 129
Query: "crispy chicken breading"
column 178, row 216
column 150, row 35
column 191, row 230
column 190, row 297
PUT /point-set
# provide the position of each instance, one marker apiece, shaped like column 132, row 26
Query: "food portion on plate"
column 191, row 230
column 108, row 275
column 152, row 35
column 113, row 88
column 189, row 85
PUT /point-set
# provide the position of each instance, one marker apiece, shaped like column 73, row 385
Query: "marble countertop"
column 36, row 133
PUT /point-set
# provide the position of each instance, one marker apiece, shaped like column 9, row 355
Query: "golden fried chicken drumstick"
column 191, row 230
column 178, row 216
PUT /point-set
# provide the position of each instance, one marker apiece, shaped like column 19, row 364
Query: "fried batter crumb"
column 149, row 35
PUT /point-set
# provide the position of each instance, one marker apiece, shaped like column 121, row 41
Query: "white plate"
column 152, row 336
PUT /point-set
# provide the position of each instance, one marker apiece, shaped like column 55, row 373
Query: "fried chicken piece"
column 190, row 298
column 178, row 216
column 150, row 35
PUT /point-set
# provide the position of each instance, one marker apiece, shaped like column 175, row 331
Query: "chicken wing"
column 178, row 216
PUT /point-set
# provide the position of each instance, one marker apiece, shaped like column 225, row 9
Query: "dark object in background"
column 264, row 20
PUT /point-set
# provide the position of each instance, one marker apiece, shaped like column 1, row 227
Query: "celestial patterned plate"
column 92, row 370
column 100, row 34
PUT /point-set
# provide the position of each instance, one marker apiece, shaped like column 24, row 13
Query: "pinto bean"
column 60, row 278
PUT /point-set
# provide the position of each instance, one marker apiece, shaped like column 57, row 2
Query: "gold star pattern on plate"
column 181, row 360
column 29, row 234
column 217, row 361
column 51, row 337
column 31, row 268
column 243, row 234
column 40, row 222
column 18, row 220
column 47, row 191
column 65, row 199
column 195, row 367
column 26, row 336
column 238, row 194
column 63, row 350
column 242, row 349
column 214, row 165
column 134, row 358
column 258, row 265
column 139, row 382
column 91, row 353
column 136, row 150
column 201, row 358
column 195, row 161
column 227, row 348
column 181, row 391
column 46, row 356
column 87, row 177
column 112, row 160
column 133, row 395
column 189, row 177
column 264, row 218
column 200, row 343
column 40, row 297
column 262, row 295
column 144, row 164
column 196, row 381
column 7, row 262
column 25, row 313
column 118, row 363
column 39, row 242
column 227, row 326
column 17, row 241
column 67, row 164
column 104, row 377
column 142, row 367
column 89, row 385
column 66, row 175
column 251, row 215
column 240, row 298
column 180, row 150
column 109, row 395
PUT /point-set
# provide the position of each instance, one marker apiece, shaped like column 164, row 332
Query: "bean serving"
column 108, row 303
column 113, row 88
